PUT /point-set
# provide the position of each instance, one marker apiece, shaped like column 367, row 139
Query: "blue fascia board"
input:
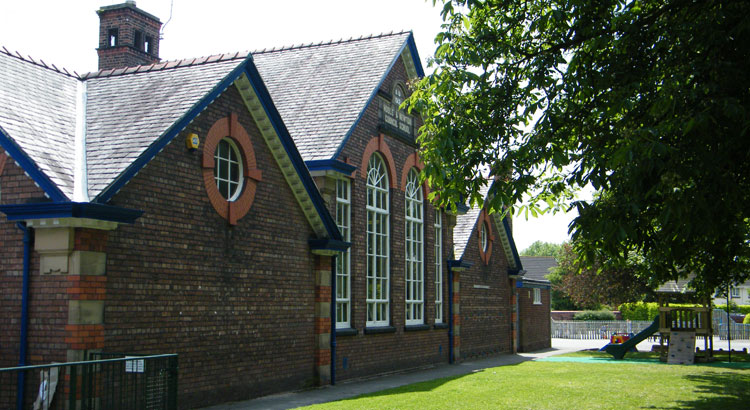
column 169, row 135
column 266, row 102
column 530, row 283
column 30, row 167
column 415, row 55
column 509, row 233
column 329, row 245
column 408, row 43
column 330, row 165
column 459, row 263
column 44, row 210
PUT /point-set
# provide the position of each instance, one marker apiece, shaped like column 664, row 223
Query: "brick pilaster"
column 322, row 328
column 456, row 317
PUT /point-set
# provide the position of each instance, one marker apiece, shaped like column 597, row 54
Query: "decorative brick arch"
column 413, row 161
column 378, row 144
column 229, row 127
column 484, row 220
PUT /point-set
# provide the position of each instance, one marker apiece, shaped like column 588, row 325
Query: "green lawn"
column 571, row 385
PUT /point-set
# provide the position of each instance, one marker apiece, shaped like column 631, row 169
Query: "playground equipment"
column 696, row 321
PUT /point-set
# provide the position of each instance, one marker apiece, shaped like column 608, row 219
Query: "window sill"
column 379, row 329
column 440, row 325
column 538, row 304
column 415, row 328
column 346, row 331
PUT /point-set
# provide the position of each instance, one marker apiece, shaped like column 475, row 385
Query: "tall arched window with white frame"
column 414, row 232
column 378, row 243
column 438, row 266
column 343, row 261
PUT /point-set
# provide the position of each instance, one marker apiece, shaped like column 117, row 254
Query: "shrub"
column 594, row 315
column 746, row 320
column 639, row 310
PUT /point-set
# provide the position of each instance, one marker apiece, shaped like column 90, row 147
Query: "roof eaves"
column 30, row 167
column 291, row 150
column 122, row 179
column 375, row 92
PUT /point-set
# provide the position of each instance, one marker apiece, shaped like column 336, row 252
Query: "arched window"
column 228, row 172
column 414, row 252
column 438, row 266
column 378, row 243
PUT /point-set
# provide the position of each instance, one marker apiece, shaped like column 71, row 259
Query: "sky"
column 65, row 33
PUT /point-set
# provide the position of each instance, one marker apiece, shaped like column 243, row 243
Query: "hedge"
column 649, row 310
column 594, row 315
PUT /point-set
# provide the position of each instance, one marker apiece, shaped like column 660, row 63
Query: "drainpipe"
column 333, row 320
column 450, row 312
column 24, row 316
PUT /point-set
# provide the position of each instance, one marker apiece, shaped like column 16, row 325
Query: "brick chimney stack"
column 128, row 36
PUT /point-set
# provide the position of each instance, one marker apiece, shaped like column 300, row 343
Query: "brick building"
column 213, row 207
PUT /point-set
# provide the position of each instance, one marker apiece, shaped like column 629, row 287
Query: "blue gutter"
column 20, row 389
column 42, row 210
column 286, row 141
column 330, row 165
column 30, row 167
column 420, row 72
column 333, row 320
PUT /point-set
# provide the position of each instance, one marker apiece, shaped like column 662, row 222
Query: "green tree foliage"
column 539, row 248
column 646, row 101
column 607, row 282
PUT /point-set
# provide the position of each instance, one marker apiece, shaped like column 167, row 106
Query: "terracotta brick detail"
column 229, row 127
column 322, row 357
column 83, row 337
column 322, row 325
column 484, row 219
column 378, row 144
column 3, row 157
column 86, row 287
column 413, row 161
column 322, row 293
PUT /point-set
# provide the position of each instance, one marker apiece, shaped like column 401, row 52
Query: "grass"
column 575, row 386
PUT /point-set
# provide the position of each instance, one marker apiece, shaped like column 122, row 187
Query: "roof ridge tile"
column 39, row 63
column 329, row 42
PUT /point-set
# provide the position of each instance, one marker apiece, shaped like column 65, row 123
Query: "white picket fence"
column 595, row 329
column 604, row 329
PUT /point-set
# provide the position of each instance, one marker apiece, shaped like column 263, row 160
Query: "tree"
column 608, row 282
column 646, row 101
column 539, row 248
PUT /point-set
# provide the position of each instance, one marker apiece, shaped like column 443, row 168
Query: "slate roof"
column 465, row 226
column 537, row 267
column 38, row 111
column 321, row 90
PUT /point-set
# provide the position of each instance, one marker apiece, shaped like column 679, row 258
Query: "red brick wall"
column 535, row 320
column 367, row 354
column 236, row 303
column 485, row 301
column 48, row 310
column 125, row 55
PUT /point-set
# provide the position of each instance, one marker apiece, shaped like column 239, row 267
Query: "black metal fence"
column 115, row 381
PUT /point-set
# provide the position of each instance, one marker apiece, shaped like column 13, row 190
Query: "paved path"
column 353, row 388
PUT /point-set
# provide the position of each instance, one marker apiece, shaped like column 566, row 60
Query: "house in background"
column 739, row 294
column 245, row 211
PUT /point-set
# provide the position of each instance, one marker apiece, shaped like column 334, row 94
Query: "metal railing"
column 598, row 329
column 124, row 382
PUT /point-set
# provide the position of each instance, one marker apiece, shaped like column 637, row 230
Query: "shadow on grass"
column 461, row 370
column 715, row 390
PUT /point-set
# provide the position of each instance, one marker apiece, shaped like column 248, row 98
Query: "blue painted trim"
column 30, row 167
column 18, row 212
column 329, row 245
column 516, row 258
column 415, row 55
column 408, row 43
column 530, row 283
column 460, row 263
column 330, row 165
column 21, row 388
column 286, row 141
column 169, row 135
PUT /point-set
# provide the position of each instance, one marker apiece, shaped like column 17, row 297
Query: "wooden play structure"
column 691, row 321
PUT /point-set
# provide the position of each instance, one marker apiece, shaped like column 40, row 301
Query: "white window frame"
column 484, row 237
column 378, row 243
column 438, row 266
column 343, row 260
column 220, row 162
column 734, row 292
column 414, row 250
column 537, row 296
